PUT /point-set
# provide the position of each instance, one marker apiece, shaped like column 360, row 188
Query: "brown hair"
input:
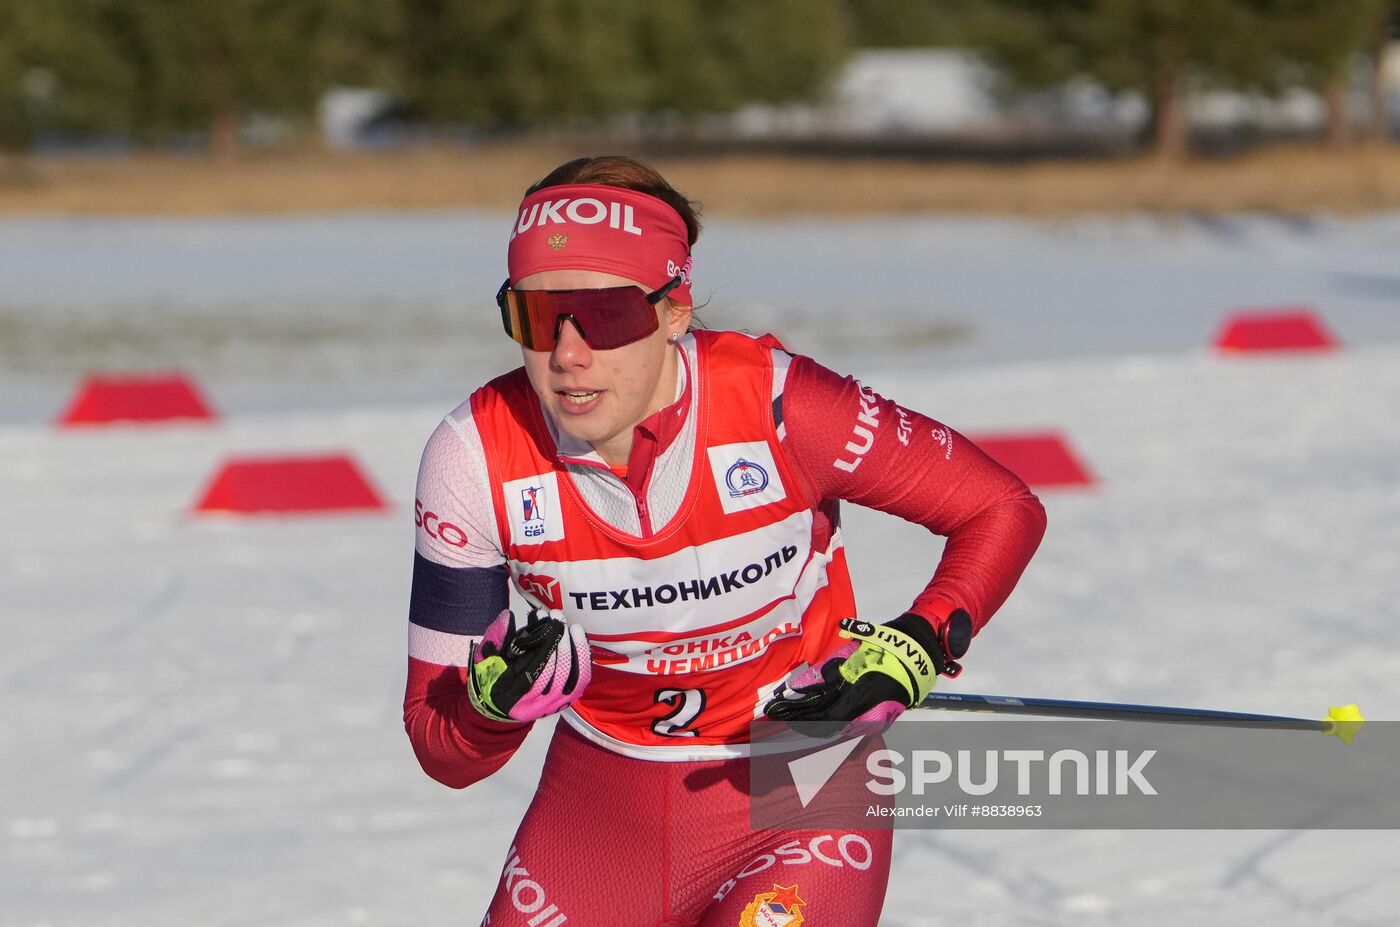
column 630, row 174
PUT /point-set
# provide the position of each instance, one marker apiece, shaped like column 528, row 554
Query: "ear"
column 677, row 320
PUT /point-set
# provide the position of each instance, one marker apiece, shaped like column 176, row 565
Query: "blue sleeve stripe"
column 457, row 600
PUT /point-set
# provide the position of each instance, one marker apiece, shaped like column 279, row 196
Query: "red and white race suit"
column 705, row 571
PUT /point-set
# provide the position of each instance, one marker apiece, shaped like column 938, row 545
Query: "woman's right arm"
column 460, row 585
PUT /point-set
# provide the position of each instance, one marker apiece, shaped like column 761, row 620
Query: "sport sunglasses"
column 607, row 318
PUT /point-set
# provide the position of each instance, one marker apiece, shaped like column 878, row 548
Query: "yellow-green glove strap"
column 483, row 677
column 888, row 650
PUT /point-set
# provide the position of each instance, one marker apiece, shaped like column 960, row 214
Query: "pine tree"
column 529, row 62
column 59, row 71
column 1162, row 48
column 1318, row 45
column 157, row 69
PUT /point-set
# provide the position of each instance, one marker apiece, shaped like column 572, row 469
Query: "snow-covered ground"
column 361, row 308
column 201, row 717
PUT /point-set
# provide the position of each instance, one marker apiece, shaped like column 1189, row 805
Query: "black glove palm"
column 865, row 685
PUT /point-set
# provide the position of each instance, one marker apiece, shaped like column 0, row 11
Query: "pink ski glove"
column 524, row 673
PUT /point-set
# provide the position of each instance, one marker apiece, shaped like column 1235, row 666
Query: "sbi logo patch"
column 532, row 510
column 535, row 514
column 746, row 476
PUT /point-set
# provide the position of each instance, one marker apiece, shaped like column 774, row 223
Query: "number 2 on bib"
column 686, row 707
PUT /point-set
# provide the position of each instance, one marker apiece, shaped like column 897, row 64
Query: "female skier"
column 666, row 501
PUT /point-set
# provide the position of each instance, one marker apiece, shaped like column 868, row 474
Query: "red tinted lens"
column 607, row 318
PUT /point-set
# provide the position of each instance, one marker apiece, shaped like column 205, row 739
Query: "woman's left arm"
column 848, row 442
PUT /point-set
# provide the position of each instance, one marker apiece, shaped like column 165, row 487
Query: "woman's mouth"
column 578, row 400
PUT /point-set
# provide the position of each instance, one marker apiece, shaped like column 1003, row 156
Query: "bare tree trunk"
column 1380, row 118
column 223, row 134
column 16, row 169
column 223, row 123
column 1168, row 112
column 1334, row 96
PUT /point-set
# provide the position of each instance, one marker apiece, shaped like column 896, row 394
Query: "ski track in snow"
column 201, row 718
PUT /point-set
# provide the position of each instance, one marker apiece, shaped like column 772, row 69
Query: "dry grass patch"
column 1286, row 180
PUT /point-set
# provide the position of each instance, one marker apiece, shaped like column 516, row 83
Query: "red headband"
column 604, row 228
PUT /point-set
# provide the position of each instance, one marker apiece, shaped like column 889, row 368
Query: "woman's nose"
column 570, row 350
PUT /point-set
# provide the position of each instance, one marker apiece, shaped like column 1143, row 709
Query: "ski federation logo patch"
column 778, row 908
column 534, row 507
column 746, row 476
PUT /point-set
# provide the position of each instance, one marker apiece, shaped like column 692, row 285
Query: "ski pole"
column 1342, row 721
